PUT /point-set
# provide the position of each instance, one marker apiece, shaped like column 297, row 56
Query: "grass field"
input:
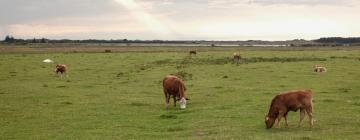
column 119, row 95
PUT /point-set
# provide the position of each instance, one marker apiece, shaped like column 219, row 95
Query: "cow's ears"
column 187, row 98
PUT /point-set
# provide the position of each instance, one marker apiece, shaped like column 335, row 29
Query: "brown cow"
column 174, row 86
column 237, row 57
column 192, row 52
column 320, row 69
column 60, row 68
column 290, row 101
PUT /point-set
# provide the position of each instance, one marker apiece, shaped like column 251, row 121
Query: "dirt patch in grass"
column 175, row 129
column 183, row 75
column 168, row 116
column 87, row 86
column 218, row 87
column 305, row 138
column 120, row 74
column 226, row 60
column 163, row 62
column 67, row 103
column 345, row 90
column 340, row 57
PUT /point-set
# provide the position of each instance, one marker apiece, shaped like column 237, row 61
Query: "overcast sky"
column 180, row 19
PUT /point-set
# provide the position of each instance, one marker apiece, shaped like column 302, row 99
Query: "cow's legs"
column 281, row 114
column 302, row 115
column 310, row 115
column 174, row 101
column 277, row 125
column 286, row 121
column 167, row 99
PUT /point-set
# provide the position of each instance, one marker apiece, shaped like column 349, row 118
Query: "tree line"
column 11, row 39
column 339, row 40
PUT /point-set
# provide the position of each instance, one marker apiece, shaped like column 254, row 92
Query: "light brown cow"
column 174, row 86
column 319, row 69
column 290, row 101
column 60, row 68
column 237, row 57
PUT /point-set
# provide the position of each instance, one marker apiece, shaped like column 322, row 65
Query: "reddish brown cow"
column 174, row 86
column 60, row 68
column 237, row 57
column 192, row 52
column 290, row 101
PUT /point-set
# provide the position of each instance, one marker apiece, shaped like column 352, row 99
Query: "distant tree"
column 9, row 39
column 43, row 40
column 34, row 40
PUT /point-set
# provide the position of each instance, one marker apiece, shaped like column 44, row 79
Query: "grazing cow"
column 192, row 52
column 319, row 69
column 237, row 57
column 60, row 68
column 290, row 101
column 174, row 86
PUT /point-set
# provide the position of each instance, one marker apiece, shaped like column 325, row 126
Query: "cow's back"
column 172, row 85
column 295, row 100
column 60, row 68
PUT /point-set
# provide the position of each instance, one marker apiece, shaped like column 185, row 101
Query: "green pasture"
column 119, row 95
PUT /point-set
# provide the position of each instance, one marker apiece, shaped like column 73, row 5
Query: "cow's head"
column 269, row 121
column 183, row 103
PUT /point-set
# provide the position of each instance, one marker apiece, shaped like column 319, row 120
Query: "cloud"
column 231, row 3
column 306, row 2
column 17, row 11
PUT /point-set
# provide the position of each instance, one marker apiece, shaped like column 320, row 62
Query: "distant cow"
column 192, row 52
column 319, row 69
column 174, row 86
column 290, row 101
column 237, row 57
column 60, row 68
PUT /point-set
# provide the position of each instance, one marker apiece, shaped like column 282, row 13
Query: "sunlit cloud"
column 144, row 17
column 86, row 27
column 306, row 2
